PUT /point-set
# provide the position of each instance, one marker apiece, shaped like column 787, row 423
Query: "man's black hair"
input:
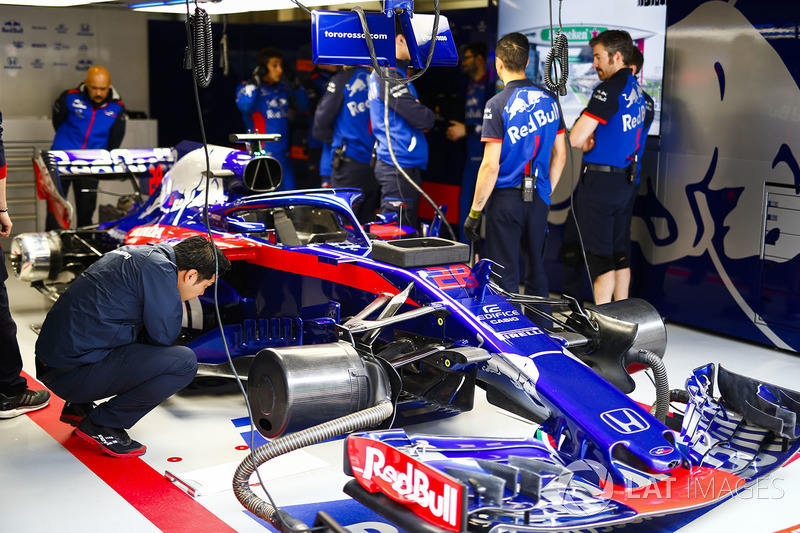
column 512, row 49
column 198, row 253
column 477, row 49
column 265, row 54
column 637, row 60
column 615, row 41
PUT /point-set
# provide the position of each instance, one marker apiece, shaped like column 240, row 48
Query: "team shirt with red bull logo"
column 408, row 119
column 342, row 115
column 265, row 109
column 526, row 118
column 618, row 105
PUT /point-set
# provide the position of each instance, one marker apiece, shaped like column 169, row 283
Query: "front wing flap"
column 529, row 485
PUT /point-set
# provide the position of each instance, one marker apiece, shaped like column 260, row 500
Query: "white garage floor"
column 51, row 480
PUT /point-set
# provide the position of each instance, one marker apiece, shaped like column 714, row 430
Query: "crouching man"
column 111, row 334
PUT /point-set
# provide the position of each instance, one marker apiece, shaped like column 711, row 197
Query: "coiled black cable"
column 559, row 53
column 203, row 60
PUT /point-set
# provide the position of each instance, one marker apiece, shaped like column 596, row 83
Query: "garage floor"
column 51, row 480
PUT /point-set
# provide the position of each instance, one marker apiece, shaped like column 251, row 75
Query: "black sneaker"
column 73, row 413
column 113, row 441
column 30, row 400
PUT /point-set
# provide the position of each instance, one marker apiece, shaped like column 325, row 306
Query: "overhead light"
column 230, row 6
column 50, row 3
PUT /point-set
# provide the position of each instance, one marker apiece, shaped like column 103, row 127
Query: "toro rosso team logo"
column 632, row 98
column 661, row 450
column 625, row 420
column 525, row 101
column 358, row 85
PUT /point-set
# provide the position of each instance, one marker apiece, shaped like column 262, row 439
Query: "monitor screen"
column 580, row 20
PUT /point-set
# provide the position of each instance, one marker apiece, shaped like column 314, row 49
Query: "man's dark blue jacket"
column 130, row 295
column 82, row 124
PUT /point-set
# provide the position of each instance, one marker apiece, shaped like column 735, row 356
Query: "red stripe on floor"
column 793, row 529
column 166, row 506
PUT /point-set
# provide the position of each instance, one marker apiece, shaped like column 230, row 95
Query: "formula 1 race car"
column 339, row 331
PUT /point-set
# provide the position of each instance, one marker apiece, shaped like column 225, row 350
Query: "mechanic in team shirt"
column 408, row 120
column 572, row 261
column 264, row 103
column 615, row 119
column 473, row 63
column 523, row 157
column 342, row 119
column 91, row 116
column 112, row 334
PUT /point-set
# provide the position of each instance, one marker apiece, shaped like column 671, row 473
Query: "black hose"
column 369, row 417
column 680, row 396
column 203, row 60
column 559, row 53
column 646, row 357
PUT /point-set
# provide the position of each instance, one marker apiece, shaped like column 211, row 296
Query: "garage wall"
column 47, row 50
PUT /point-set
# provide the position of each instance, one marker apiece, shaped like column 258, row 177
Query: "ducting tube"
column 646, row 357
column 369, row 417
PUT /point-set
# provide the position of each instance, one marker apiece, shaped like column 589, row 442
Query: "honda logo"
column 625, row 420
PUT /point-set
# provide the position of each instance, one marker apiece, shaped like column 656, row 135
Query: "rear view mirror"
column 237, row 225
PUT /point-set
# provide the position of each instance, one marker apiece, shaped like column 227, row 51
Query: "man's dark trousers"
column 352, row 173
column 138, row 376
column 512, row 224
column 397, row 195
column 11, row 383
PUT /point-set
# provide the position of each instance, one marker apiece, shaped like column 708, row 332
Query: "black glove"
column 258, row 76
column 472, row 228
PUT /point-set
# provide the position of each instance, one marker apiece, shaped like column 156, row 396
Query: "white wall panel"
column 44, row 51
